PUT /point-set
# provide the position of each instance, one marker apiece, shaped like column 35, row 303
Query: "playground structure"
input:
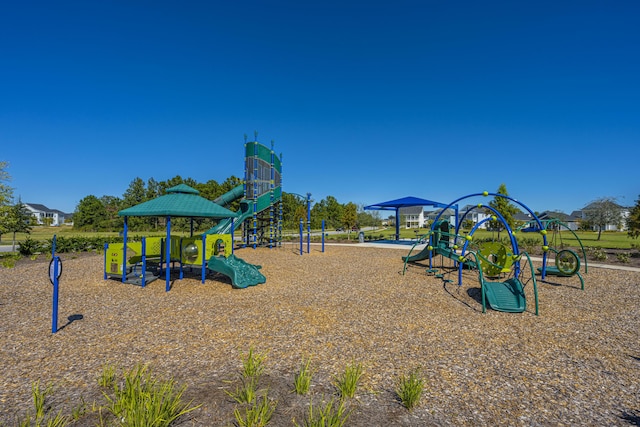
column 259, row 218
column 566, row 261
column 260, row 197
column 501, row 269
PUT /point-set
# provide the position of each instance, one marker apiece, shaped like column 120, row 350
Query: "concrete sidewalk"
column 406, row 245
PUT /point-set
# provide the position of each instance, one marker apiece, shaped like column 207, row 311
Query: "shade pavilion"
column 179, row 201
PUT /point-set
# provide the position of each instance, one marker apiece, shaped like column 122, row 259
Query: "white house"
column 621, row 226
column 44, row 215
column 413, row 216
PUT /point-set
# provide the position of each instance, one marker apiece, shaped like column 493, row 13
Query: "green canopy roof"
column 180, row 201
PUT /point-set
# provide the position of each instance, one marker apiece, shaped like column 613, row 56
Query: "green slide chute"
column 241, row 273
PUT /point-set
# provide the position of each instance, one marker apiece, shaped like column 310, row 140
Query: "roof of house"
column 410, row 210
column 38, row 207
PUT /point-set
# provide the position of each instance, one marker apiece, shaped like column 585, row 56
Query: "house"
column 46, row 216
column 572, row 221
column 474, row 215
column 581, row 215
column 413, row 216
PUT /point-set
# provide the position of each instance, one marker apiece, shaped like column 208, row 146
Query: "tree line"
column 101, row 213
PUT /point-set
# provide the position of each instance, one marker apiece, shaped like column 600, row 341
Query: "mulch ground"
column 577, row 363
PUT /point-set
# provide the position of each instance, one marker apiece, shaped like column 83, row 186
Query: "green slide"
column 241, row 273
column 246, row 209
column 506, row 296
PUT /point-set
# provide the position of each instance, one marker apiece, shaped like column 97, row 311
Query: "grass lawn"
column 609, row 240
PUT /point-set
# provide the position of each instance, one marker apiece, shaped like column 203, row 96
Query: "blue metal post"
column 204, row 253
column 167, row 270
column 124, row 250
column 301, row 238
column 106, row 248
column 255, row 194
column 323, row 235
column 144, row 262
column 54, row 305
column 308, row 223
column 233, row 225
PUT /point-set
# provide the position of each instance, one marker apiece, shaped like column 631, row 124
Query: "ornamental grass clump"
column 142, row 400
column 331, row 414
column 302, row 379
column 347, row 382
column 409, row 389
column 246, row 392
column 42, row 417
column 257, row 414
column 253, row 364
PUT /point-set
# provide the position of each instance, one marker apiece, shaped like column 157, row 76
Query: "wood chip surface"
column 577, row 363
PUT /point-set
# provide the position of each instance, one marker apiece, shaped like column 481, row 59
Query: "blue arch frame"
column 513, row 240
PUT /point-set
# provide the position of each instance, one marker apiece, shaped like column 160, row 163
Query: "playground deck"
column 576, row 363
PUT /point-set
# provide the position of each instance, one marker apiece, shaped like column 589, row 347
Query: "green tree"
column 134, row 195
column 6, row 192
column 334, row 212
column 350, row 216
column 112, row 205
column 6, row 196
column 291, row 205
column 602, row 212
column 504, row 206
column 18, row 220
column 90, row 215
column 633, row 221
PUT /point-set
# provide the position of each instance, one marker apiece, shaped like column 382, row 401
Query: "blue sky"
column 367, row 101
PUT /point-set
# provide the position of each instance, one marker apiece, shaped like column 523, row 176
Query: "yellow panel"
column 115, row 256
column 214, row 245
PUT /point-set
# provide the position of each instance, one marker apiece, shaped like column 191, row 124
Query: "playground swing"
column 501, row 278
column 566, row 262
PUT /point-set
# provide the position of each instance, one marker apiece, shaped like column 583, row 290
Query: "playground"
column 577, row 363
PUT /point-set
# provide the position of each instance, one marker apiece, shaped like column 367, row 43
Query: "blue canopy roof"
column 403, row 203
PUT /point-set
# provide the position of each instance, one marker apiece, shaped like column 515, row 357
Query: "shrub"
column 623, row 257
column 30, row 247
column 9, row 261
column 597, row 253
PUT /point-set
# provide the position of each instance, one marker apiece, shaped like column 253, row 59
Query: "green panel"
column 264, row 153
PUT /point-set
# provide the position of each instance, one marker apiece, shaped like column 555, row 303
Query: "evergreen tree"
column 633, row 221
column 90, row 215
column 504, row 206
